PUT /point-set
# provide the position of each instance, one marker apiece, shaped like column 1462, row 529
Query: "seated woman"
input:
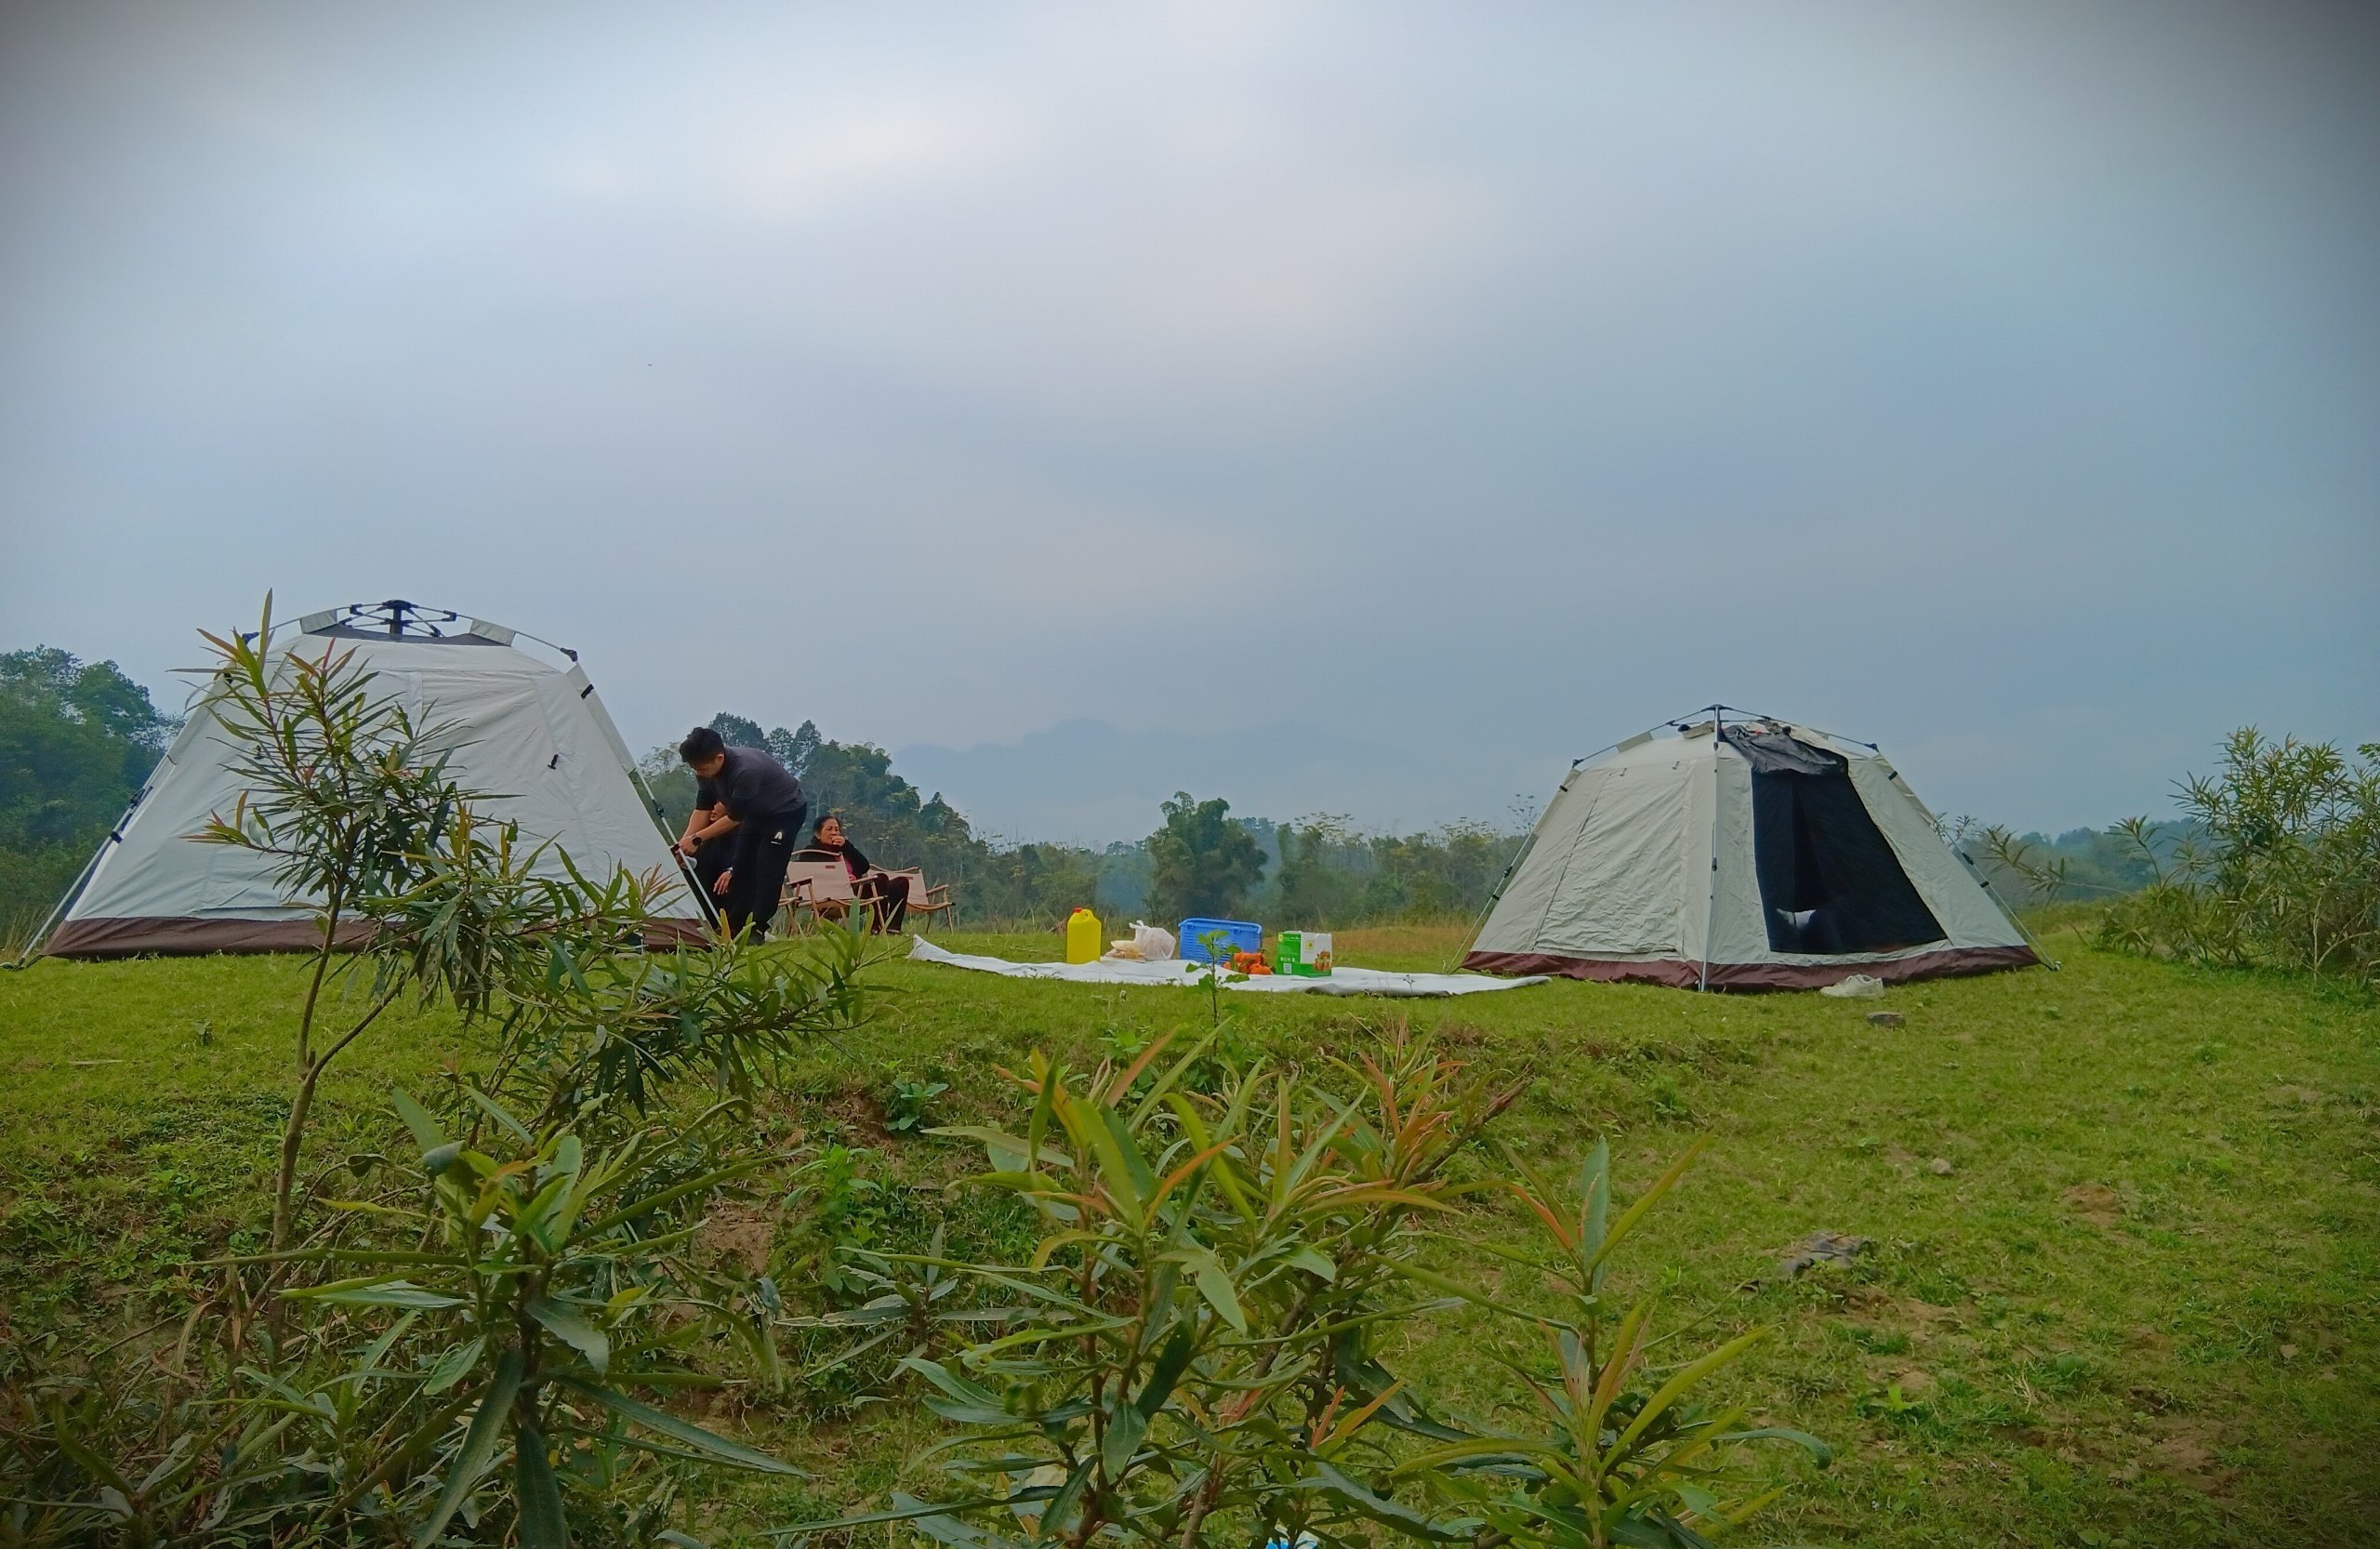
column 886, row 894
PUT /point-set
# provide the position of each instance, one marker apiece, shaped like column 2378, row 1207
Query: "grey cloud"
column 1993, row 381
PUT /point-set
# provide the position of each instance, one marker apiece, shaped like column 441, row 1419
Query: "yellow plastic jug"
column 1083, row 937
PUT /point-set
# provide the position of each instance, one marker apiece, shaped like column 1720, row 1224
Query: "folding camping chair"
column 928, row 903
column 822, row 887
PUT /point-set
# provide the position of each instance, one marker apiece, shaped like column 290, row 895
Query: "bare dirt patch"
column 742, row 1233
column 2095, row 1203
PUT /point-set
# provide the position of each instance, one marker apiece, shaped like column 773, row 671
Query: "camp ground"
column 1714, row 854
column 2039, row 1240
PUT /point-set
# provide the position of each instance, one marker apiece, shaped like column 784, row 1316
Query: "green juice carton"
column 1304, row 954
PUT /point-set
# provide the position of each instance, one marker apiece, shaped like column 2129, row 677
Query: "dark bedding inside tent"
column 1828, row 880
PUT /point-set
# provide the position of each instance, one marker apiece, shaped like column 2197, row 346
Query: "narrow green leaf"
column 1594, row 1196
column 1214, row 1284
column 1439, row 1282
column 1122, row 1438
column 1669, row 1392
column 1044, row 1108
column 999, row 1143
column 570, row 1325
column 1635, row 1212
column 1062, row 1506
column 452, row 1366
column 906, row 1508
column 538, row 1217
column 956, row 1534
column 378, row 1351
column 542, row 1524
column 651, row 1203
column 1120, row 1162
column 732, row 1454
column 1312, row 1261
column 426, row 1133
column 478, row 1447
column 951, row 1383
column 1167, row 1082
column 387, row 1293
column 1171, row 1364
column 1388, row 1512
column 1817, row 1449
column 495, row 1111
column 569, row 1157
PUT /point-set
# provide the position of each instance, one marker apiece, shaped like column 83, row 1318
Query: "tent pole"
column 685, row 872
column 2040, row 950
column 1527, row 841
column 1710, row 898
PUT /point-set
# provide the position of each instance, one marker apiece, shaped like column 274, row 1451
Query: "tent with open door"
column 1742, row 855
column 527, row 730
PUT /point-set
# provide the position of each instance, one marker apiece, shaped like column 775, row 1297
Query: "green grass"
column 2141, row 1306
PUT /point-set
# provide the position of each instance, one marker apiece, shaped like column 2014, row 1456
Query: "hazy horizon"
column 1369, row 407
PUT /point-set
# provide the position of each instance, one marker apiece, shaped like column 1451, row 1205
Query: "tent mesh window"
column 1828, row 880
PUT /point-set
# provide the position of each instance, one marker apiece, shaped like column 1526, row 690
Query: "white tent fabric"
column 1119, row 971
column 1648, row 865
column 532, row 734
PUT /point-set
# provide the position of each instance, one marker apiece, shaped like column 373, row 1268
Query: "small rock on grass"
column 1885, row 1019
column 1940, row 1166
column 1822, row 1247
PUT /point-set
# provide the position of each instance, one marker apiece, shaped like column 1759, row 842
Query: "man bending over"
column 765, row 809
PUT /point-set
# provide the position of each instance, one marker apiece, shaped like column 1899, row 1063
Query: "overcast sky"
column 1478, row 383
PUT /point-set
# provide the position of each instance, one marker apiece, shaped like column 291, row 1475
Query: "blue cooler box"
column 1239, row 936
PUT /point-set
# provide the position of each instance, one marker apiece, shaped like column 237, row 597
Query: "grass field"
column 2124, row 1286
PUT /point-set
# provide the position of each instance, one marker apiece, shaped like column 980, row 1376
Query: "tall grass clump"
column 2284, row 873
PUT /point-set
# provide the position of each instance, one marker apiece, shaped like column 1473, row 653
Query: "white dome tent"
column 1742, row 853
column 529, row 729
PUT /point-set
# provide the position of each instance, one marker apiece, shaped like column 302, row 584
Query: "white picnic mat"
column 1117, row 971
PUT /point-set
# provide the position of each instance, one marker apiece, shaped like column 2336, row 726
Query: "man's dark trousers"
column 763, row 848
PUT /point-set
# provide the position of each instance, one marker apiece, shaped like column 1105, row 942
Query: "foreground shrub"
column 2287, row 874
column 493, row 1360
column 1189, row 1357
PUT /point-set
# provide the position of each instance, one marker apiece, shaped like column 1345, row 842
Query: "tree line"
column 1199, row 861
column 76, row 740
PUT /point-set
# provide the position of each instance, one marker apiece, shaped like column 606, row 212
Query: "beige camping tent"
column 1742, row 855
column 529, row 730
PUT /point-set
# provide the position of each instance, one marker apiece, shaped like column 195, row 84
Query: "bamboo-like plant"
column 600, row 1021
column 349, row 799
column 2285, row 871
column 553, row 1285
column 1188, row 1356
column 1609, row 1462
column 498, row 1353
column 1192, row 1366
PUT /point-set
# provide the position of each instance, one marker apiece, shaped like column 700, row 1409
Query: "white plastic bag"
column 1859, row 987
column 1156, row 944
